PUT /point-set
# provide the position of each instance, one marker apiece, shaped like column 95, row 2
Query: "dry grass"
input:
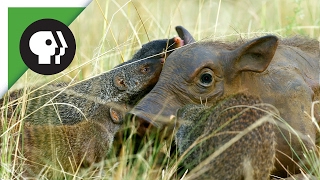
column 109, row 32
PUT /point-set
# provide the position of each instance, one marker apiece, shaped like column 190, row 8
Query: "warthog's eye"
column 206, row 79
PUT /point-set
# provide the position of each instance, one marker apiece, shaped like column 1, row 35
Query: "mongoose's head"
column 86, row 142
column 141, row 73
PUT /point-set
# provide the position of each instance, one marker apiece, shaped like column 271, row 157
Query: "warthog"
column 284, row 73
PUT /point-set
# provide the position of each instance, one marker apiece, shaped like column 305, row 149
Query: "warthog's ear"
column 184, row 35
column 255, row 55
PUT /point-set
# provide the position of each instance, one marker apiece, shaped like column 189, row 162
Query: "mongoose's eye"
column 145, row 69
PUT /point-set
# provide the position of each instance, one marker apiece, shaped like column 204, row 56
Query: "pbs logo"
column 47, row 46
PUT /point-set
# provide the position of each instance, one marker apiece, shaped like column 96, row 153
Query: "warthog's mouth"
column 142, row 117
column 152, row 123
column 144, row 123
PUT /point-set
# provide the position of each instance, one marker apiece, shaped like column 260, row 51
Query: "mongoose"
column 126, row 83
column 251, row 157
column 66, row 147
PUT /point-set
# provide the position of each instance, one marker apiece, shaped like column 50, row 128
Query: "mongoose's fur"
column 127, row 83
column 250, row 158
column 66, row 147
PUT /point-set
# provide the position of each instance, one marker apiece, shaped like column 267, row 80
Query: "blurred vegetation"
column 109, row 32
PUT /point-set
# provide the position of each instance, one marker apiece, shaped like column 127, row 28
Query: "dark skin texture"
column 283, row 73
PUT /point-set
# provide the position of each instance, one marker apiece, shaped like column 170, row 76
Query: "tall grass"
column 109, row 32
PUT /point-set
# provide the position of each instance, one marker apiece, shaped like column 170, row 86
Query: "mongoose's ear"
column 116, row 116
column 185, row 35
column 118, row 81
